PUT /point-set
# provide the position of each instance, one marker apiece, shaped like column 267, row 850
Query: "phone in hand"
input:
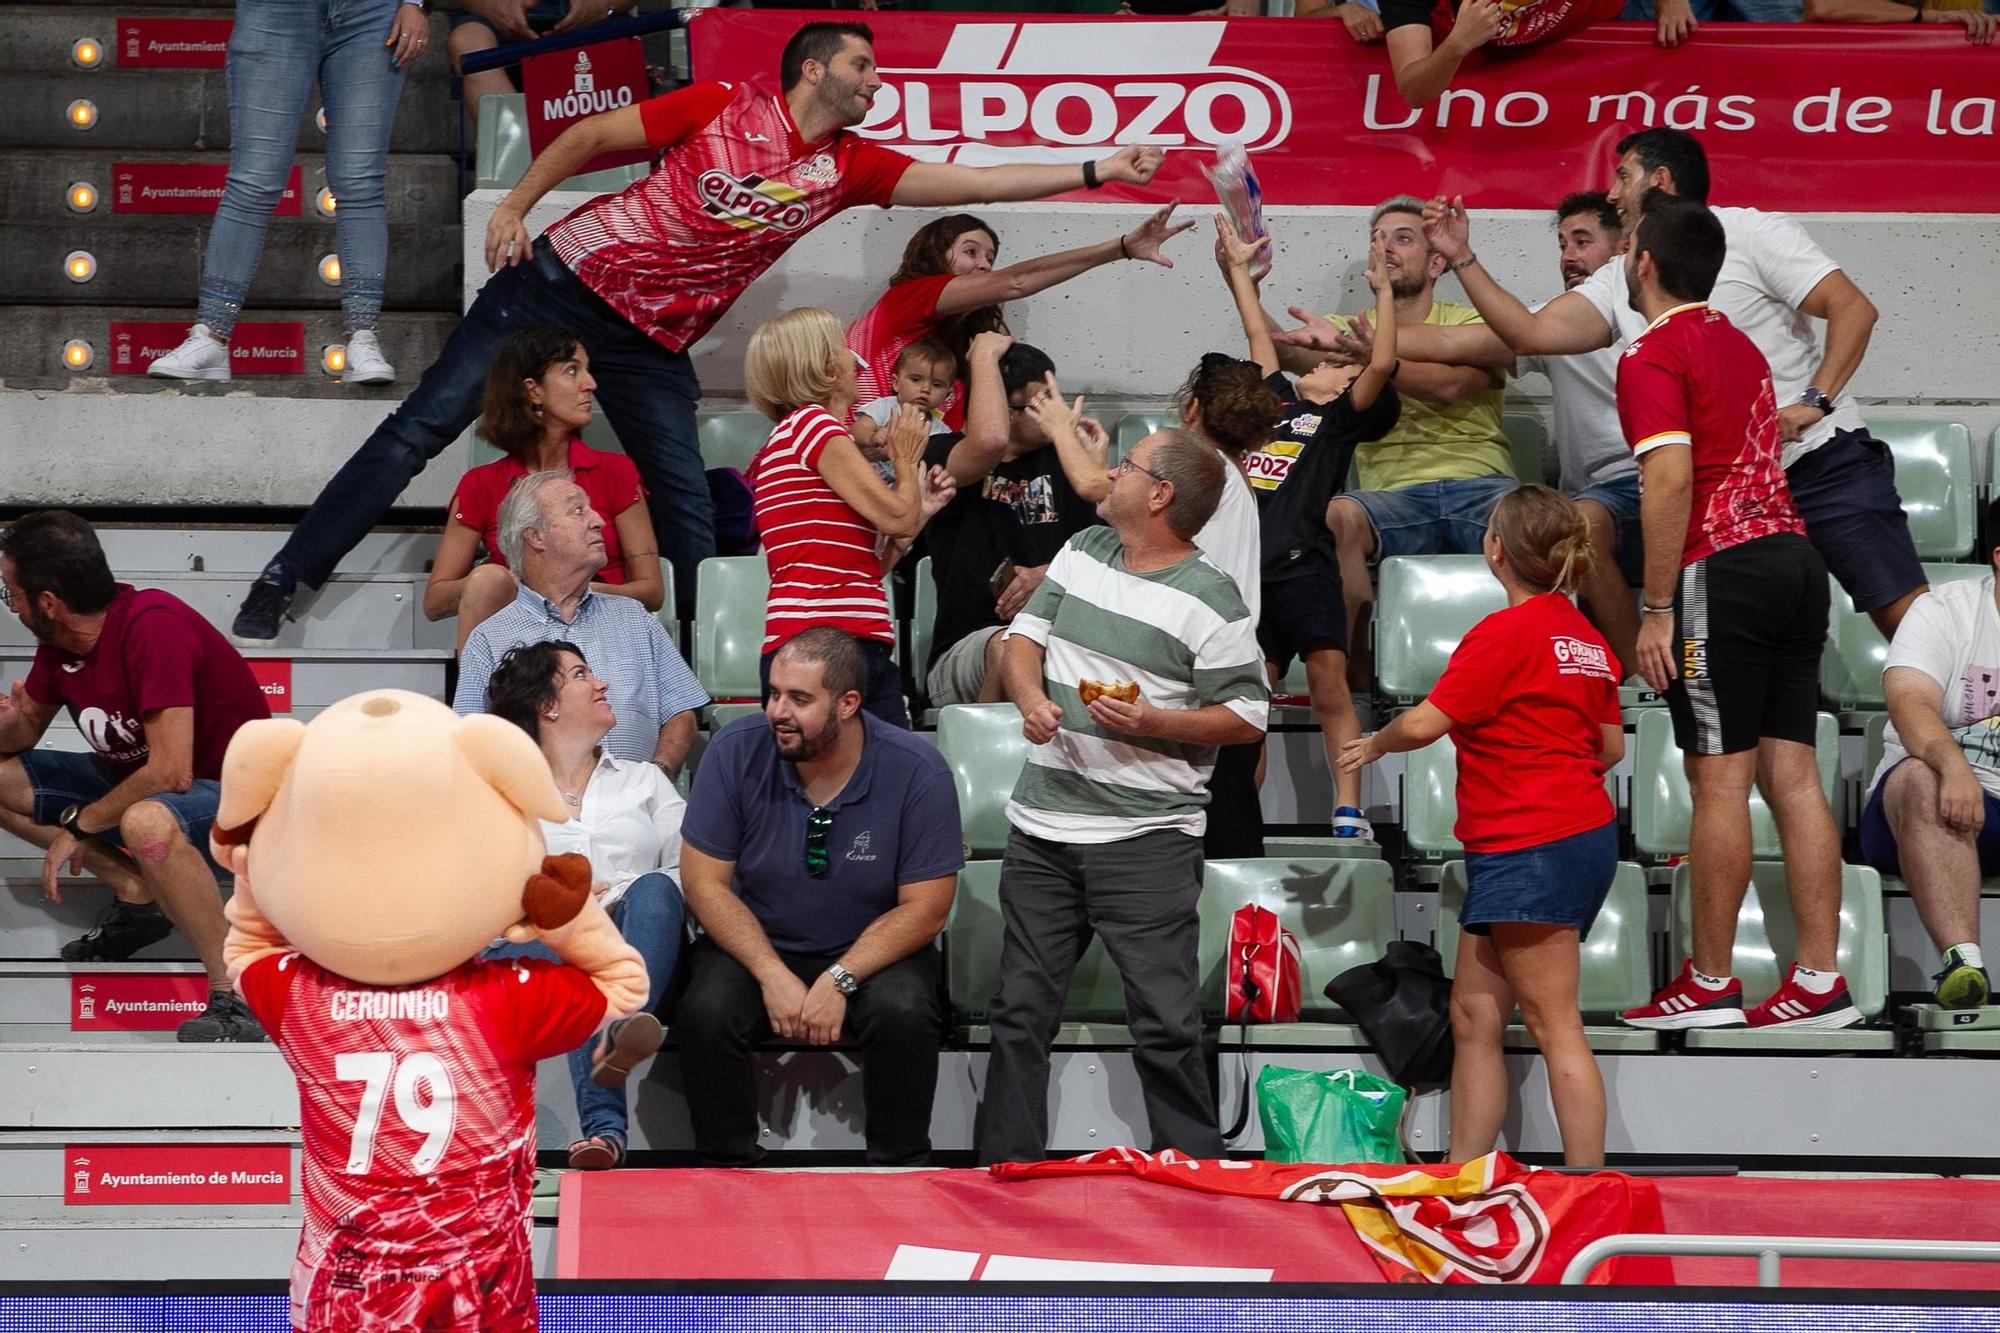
column 1003, row 574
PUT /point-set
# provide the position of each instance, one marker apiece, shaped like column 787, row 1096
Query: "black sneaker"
column 227, row 1018
column 262, row 614
column 122, row 930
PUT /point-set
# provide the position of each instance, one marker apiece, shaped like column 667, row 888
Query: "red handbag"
column 1263, row 961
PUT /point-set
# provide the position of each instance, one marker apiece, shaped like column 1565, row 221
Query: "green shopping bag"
column 1335, row 1116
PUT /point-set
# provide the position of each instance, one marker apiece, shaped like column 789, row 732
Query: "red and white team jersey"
column 825, row 561
column 736, row 189
column 1694, row 379
column 418, row 1106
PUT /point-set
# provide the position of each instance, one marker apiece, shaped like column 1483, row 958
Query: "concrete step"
column 32, row 342
column 243, row 550
column 318, row 676
column 35, row 182
column 32, row 930
column 152, row 260
column 351, row 612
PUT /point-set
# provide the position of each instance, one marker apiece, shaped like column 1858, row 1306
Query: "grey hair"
column 1197, row 472
column 1401, row 203
column 521, row 510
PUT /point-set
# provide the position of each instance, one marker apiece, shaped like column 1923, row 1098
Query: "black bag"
column 1403, row 1004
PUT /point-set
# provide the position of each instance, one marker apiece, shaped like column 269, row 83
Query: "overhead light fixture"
column 333, row 358
column 329, row 270
column 86, row 53
column 82, row 113
column 80, row 266
column 81, row 197
column 77, row 354
column 325, row 202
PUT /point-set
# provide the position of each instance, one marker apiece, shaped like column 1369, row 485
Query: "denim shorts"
column 1433, row 517
column 62, row 778
column 1620, row 498
column 1878, row 840
column 1560, row 883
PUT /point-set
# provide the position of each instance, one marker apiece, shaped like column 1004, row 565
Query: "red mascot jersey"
column 418, row 1105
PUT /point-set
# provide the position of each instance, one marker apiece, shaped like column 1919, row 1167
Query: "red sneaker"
column 1684, row 1004
column 1793, row 1006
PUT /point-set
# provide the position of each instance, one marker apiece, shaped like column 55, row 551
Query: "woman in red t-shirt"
column 948, row 289
column 1530, row 699
column 537, row 401
column 831, row 527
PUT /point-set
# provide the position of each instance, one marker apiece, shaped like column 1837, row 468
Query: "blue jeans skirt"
column 1560, row 883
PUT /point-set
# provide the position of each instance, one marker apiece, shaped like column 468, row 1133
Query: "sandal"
column 599, row 1152
column 625, row 1044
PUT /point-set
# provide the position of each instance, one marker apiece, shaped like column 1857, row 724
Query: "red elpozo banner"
column 1898, row 118
column 1490, row 1220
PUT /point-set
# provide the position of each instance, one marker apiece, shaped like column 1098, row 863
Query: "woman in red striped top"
column 831, row 528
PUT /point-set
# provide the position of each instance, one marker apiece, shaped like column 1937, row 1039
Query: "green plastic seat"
column 729, row 626
column 732, row 438
column 1343, row 913
column 1133, row 427
column 1935, row 480
column 923, row 622
column 1528, row 441
column 1430, row 800
column 984, row 746
column 1767, row 939
column 1324, row 847
column 1424, row 605
column 1093, row 1012
column 501, row 155
column 1616, row 967
column 1850, row 671
column 721, row 715
column 1662, row 807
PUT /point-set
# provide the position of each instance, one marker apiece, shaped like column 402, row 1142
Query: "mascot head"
column 390, row 840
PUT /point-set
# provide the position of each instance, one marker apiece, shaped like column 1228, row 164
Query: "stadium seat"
column 721, row 715
column 502, row 153
column 1767, row 938
column 1662, row 807
column 1094, row 1012
column 1343, row 913
column 1529, row 443
column 1935, row 479
column 923, row 620
column 732, row 439
column 1319, row 847
column 1423, row 606
column 729, row 626
column 1136, row 426
column 1430, row 800
column 1850, row 671
column 984, row 746
column 1616, row 960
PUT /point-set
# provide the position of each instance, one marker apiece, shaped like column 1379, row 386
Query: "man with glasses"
column 820, row 850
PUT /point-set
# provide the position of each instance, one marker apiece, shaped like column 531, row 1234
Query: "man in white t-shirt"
column 1933, row 812
column 1774, row 282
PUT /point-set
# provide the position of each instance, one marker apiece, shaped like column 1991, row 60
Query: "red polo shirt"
column 610, row 480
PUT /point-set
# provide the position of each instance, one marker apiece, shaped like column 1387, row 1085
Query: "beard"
column 808, row 746
column 839, row 97
column 1403, row 284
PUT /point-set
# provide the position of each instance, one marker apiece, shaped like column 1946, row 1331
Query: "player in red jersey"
column 641, row 275
column 1734, row 622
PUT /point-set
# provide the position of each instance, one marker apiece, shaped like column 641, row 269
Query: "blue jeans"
column 276, row 50
column 62, row 778
column 648, row 394
column 1620, row 499
column 653, row 920
column 1433, row 517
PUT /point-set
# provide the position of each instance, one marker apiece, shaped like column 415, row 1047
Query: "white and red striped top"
column 825, row 559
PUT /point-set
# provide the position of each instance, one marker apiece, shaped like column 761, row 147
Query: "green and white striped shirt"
column 1185, row 635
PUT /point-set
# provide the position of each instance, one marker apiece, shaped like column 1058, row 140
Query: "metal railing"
column 1771, row 1251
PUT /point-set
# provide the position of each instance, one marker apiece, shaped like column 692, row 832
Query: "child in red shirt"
column 1530, row 699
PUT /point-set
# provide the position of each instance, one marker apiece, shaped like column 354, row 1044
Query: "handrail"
column 603, row 31
column 1770, row 1251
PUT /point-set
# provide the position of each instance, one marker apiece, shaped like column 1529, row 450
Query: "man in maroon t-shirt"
column 1734, row 623
column 641, row 275
column 157, row 693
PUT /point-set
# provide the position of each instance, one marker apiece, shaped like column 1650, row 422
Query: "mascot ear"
column 511, row 764
column 259, row 756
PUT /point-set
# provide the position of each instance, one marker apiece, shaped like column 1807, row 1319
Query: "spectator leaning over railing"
column 538, row 400
column 1980, row 26
column 278, row 49
column 1425, row 51
column 1530, row 700
column 552, row 537
column 481, row 25
column 157, row 693
column 642, row 275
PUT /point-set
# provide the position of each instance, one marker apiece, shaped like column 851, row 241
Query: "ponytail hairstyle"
column 1231, row 404
column 1545, row 538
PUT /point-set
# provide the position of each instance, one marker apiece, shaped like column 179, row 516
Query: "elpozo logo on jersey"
column 752, row 201
column 1071, row 91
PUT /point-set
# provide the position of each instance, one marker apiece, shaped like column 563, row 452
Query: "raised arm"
column 1381, row 367
column 972, row 291
column 1235, row 257
column 1423, row 70
column 1564, row 327
column 1083, row 462
column 507, row 238
column 987, row 417
column 944, row 184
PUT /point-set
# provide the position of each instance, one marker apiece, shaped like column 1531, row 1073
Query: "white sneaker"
column 201, row 357
column 365, row 362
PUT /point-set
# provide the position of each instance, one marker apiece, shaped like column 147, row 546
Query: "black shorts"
column 1751, row 625
column 1302, row 612
column 1845, row 491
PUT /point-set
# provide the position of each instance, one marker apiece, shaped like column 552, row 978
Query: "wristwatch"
column 67, row 820
column 1814, row 396
column 844, row 981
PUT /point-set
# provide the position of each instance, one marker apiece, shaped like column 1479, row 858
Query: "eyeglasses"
column 818, row 824
column 1127, row 464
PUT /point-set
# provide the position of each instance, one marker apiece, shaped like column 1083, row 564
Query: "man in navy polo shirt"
column 820, row 850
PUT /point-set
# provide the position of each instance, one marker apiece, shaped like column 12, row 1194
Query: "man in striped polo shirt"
column 1108, row 814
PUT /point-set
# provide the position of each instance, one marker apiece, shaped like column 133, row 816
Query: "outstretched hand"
column 1146, row 242
column 1447, row 227
column 1232, row 251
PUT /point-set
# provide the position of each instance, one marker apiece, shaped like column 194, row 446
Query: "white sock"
column 1970, row 953
column 1705, row 981
column 1818, row 983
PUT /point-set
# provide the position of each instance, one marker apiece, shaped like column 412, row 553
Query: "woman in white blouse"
column 625, row 816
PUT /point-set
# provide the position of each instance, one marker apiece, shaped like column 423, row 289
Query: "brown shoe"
column 622, row 1047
